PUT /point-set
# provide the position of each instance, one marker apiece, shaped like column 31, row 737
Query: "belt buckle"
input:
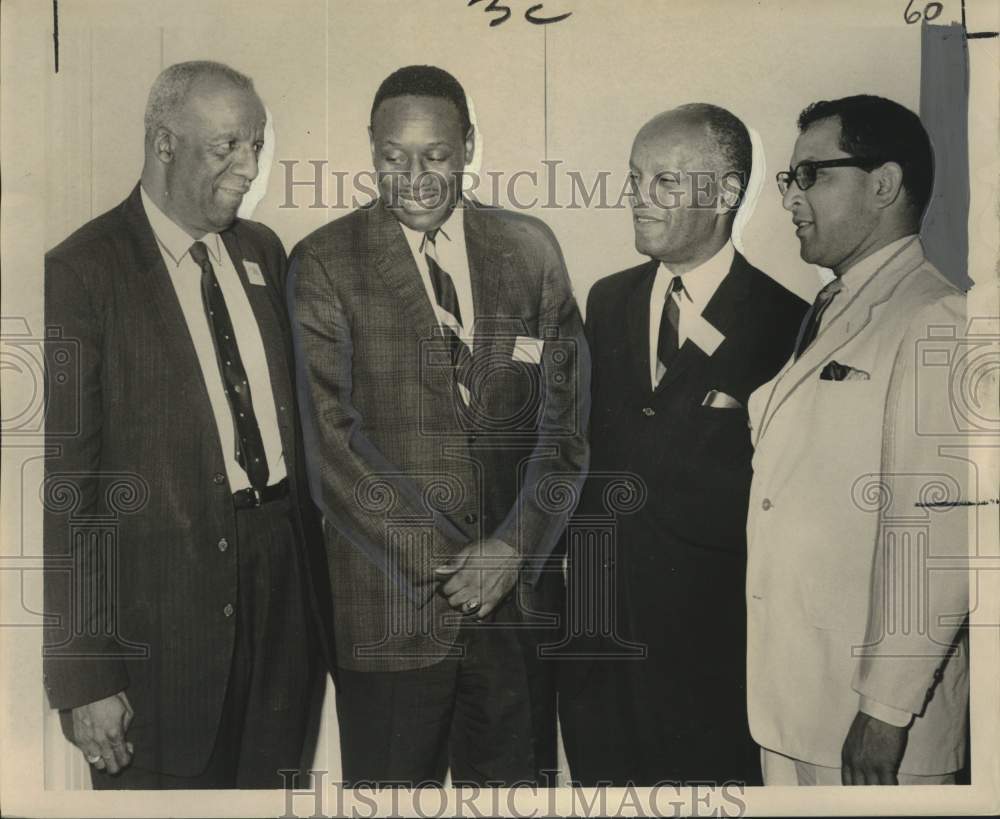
column 257, row 499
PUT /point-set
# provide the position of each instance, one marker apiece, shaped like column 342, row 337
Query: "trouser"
column 676, row 712
column 489, row 715
column 779, row 769
column 263, row 723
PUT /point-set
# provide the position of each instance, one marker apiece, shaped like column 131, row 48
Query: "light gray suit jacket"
column 856, row 581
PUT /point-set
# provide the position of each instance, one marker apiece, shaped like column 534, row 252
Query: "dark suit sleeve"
column 553, row 476
column 340, row 460
column 79, row 646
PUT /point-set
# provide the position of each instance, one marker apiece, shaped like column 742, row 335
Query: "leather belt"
column 251, row 498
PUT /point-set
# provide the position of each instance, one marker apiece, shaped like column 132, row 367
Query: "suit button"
column 219, row 478
column 471, row 518
column 223, row 544
column 228, row 610
column 766, row 504
column 649, row 412
column 472, row 438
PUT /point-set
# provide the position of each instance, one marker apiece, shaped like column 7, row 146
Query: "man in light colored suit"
column 857, row 660
column 442, row 367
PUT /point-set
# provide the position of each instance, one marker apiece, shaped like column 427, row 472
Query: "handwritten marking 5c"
column 503, row 13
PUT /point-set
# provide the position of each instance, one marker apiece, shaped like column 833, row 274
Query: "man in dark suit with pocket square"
column 443, row 390
column 180, row 647
column 678, row 343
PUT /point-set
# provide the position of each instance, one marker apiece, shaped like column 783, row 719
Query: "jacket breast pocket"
column 722, row 435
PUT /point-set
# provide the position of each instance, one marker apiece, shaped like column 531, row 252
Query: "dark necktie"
column 447, row 299
column 670, row 320
column 249, row 445
column 810, row 324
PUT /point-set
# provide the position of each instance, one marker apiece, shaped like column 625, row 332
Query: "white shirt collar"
column 701, row 282
column 859, row 273
column 174, row 240
column 451, row 233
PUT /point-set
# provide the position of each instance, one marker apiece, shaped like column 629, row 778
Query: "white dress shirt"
column 185, row 274
column 700, row 284
column 453, row 258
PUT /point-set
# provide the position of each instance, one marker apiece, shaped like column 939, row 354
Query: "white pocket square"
column 528, row 350
column 717, row 399
column 254, row 276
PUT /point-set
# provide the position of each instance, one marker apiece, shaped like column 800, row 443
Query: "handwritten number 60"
column 931, row 12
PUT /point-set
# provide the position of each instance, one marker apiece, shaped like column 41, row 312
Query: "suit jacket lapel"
column 486, row 256
column 844, row 325
column 155, row 280
column 488, row 260
column 637, row 326
column 395, row 263
column 723, row 311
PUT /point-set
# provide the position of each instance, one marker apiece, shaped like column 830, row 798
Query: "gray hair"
column 171, row 87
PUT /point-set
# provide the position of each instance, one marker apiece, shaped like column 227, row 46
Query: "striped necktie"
column 667, row 346
column 810, row 324
column 450, row 316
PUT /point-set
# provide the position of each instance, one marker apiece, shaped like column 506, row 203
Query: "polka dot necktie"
column 249, row 444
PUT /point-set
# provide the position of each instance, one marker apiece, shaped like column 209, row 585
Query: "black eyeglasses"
column 804, row 174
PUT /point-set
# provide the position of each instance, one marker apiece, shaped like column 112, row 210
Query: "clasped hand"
column 477, row 579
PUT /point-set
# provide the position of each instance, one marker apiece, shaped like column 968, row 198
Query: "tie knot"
column 430, row 237
column 199, row 253
column 830, row 289
column 676, row 286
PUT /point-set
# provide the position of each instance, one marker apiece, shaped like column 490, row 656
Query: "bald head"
column 711, row 135
column 689, row 168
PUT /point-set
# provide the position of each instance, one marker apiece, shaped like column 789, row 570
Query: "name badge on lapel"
column 528, row 349
column 703, row 334
column 254, row 276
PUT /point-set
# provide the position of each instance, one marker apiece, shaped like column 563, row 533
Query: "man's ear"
column 164, row 144
column 888, row 180
column 371, row 143
column 470, row 145
column 730, row 193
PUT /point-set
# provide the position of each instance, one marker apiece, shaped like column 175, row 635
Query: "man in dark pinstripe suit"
column 180, row 653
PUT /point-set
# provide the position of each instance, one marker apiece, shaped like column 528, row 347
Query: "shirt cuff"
column 885, row 713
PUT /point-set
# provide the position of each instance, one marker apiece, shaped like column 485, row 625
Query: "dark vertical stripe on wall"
column 944, row 109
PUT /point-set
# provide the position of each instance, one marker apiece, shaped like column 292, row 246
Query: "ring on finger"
column 469, row 606
column 93, row 759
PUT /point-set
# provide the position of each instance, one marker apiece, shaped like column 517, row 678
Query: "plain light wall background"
column 609, row 68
